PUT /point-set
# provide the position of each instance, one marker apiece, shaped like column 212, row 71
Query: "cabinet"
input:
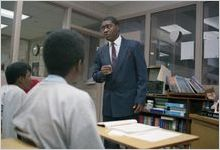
column 208, row 131
column 172, row 111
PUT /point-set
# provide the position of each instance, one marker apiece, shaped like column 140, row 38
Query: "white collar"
column 117, row 42
column 54, row 78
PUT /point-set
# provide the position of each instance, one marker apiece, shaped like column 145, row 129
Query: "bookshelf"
column 171, row 111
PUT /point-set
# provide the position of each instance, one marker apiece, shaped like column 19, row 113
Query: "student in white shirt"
column 56, row 114
column 18, row 75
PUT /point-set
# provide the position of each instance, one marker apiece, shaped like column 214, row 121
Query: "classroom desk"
column 129, row 142
column 11, row 143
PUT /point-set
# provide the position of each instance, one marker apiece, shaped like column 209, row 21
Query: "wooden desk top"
column 11, row 143
column 143, row 144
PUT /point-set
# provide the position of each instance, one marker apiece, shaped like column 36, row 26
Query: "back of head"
column 16, row 70
column 62, row 50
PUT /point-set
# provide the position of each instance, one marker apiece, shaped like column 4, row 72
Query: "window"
column 133, row 28
column 85, row 21
column 210, row 68
column 93, row 44
column 90, row 28
column 177, row 55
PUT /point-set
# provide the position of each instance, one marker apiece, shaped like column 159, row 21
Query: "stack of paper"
column 133, row 129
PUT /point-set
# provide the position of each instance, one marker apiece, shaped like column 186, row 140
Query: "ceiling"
column 111, row 3
column 45, row 16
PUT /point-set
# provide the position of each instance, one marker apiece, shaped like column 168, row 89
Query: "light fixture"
column 175, row 36
column 3, row 26
column 10, row 14
column 163, row 54
column 175, row 27
column 212, row 21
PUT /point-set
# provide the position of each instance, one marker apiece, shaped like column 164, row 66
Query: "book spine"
column 175, row 105
column 175, row 113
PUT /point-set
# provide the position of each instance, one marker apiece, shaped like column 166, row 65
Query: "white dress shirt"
column 117, row 44
column 59, row 116
column 12, row 98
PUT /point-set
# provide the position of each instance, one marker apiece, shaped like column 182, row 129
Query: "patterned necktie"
column 113, row 54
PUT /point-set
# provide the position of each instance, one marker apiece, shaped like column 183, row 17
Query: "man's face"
column 109, row 30
column 26, row 80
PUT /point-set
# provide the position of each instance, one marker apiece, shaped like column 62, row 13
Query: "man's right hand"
column 106, row 69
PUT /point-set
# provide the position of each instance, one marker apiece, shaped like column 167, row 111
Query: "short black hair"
column 62, row 49
column 112, row 19
column 16, row 70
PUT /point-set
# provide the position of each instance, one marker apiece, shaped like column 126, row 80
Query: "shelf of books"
column 171, row 111
column 169, row 106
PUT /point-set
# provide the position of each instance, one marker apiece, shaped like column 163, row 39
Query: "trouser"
column 109, row 144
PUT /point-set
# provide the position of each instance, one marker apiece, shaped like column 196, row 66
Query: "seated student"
column 56, row 114
column 17, row 75
column 33, row 83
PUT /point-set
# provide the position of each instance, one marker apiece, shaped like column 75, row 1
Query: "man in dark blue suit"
column 121, row 65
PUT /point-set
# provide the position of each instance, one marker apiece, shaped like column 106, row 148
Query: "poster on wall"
column 35, row 69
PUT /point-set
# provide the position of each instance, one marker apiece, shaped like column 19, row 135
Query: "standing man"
column 55, row 114
column 121, row 65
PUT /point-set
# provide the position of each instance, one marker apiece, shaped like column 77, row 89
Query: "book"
column 197, row 87
column 171, row 80
column 175, row 113
column 109, row 124
column 183, row 85
column 155, row 135
column 131, row 128
column 127, row 126
column 174, row 105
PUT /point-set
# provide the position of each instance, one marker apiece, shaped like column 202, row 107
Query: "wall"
column 38, row 58
column 6, row 47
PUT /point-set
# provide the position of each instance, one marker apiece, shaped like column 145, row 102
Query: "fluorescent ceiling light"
column 3, row 26
column 175, row 27
column 163, row 54
column 10, row 14
column 212, row 21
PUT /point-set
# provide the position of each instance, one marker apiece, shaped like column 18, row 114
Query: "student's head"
column 63, row 53
column 18, row 73
column 110, row 28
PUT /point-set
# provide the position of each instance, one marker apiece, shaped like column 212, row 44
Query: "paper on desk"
column 116, row 133
column 154, row 135
column 133, row 128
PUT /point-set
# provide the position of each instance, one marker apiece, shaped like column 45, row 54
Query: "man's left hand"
column 138, row 108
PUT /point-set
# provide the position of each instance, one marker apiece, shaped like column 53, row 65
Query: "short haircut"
column 62, row 50
column 16, row 70
column 112, row 19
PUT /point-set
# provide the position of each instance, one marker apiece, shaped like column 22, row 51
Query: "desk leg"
column 186, row 146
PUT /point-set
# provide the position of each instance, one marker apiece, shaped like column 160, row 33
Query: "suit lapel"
column 106, row 54
column 121, row 56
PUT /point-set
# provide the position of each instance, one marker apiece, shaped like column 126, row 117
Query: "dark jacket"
column 126, row 85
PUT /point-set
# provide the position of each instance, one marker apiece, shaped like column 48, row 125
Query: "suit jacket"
column 126, row 85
